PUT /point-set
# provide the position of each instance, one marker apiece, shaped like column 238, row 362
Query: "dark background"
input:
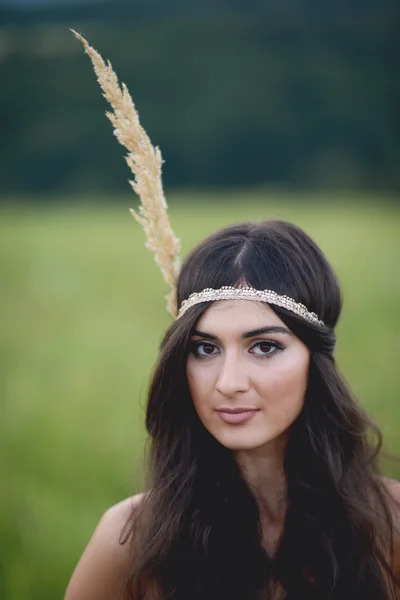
column 291, row 94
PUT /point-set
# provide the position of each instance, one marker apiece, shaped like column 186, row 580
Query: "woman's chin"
column 243, row 440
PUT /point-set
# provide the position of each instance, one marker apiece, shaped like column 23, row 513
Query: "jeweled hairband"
column 145, row 163
column 249, row 293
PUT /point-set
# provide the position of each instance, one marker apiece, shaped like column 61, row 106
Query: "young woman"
column 263, row 481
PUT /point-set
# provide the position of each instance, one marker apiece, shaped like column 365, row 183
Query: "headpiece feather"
column 145, row 163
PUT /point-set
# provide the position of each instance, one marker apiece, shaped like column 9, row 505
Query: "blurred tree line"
column 289, row 93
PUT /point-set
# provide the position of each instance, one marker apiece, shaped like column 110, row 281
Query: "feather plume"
column 145, row 163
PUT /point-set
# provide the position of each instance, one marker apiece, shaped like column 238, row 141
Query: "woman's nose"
column 232, row 377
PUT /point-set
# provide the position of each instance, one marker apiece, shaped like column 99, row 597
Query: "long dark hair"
column 197, row 533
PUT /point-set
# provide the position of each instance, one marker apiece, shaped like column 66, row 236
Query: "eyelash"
column 196, row 345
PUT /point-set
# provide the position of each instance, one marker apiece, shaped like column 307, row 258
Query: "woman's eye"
column 265, row 348
column 203, row 349
column 262, row 348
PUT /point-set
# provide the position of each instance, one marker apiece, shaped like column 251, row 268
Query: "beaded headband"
column 248, row 293
column 145, row 163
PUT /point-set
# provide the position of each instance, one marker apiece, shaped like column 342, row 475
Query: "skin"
column 232, row 366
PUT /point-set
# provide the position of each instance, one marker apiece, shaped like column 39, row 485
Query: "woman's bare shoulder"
column 115, row 518
column 101, row 571
column 393, row 488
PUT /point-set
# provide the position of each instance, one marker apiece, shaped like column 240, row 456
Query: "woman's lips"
column 236, row 417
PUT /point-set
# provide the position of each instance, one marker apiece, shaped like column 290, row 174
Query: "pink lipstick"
column 237, row 416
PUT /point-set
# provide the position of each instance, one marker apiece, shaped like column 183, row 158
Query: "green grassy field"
column 83, row 314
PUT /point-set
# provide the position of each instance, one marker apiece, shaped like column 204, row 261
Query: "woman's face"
column 247, row 374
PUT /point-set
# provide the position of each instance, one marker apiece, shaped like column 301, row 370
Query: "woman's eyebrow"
column 204, row 335
column 270, row 329
column 247, row 334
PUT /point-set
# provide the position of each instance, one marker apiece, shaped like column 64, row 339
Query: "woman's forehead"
column 237, row 315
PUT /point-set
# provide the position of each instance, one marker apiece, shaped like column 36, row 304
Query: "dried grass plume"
column 145, row 163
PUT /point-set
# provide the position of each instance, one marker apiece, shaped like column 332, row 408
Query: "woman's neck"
column 263, row 471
